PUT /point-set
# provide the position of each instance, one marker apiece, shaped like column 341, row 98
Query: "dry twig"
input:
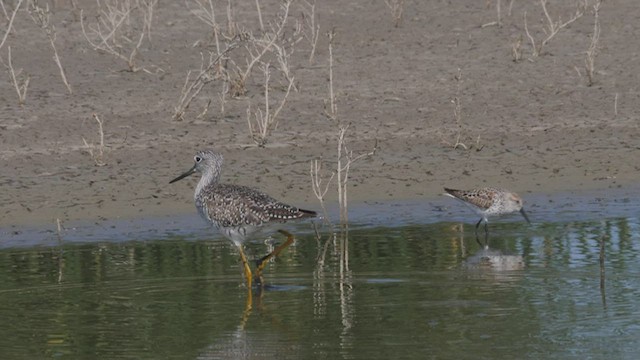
column 309, row 26
column 397, row 10
column 552, row 27
column 265, row 121
column 10, row 18
column 41, row 17
column 205, row 75
column 319, row 189
column 257, row 48
column 590, row 59
column 109, row 35
column 19, row 80
column 96, row 151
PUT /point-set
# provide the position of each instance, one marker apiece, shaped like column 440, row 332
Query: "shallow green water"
column 410, row 291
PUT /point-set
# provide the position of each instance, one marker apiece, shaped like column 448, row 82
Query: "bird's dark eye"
column 197, row 159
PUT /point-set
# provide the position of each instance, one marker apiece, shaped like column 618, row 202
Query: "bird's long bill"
column 524, row 214
column 189, row 172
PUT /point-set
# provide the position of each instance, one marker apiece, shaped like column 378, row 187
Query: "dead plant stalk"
column 552, row 27
column 265, row 121
column 108, row 35
column 498, row 21
column 207, row 14
column 319, row 189
column 590, row 59
column 457, row 111
column 11, row 18
column 258, row 47
column 397, row 10
column 96, row 154
column 192, row 87
column 259, row 15
column 41, row 17
column 20, row 83
column 311, row 30
column 346, row 157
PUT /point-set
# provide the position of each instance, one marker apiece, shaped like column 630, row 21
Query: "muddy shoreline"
column 533, row 126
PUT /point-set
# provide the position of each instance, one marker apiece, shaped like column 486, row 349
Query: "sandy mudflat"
column 531, row 126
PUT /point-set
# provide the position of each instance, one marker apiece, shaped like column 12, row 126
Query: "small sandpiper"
column 488, row 202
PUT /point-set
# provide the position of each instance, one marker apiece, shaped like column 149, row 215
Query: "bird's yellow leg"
column 263, row 262
column 247, row 269
column 247, row 310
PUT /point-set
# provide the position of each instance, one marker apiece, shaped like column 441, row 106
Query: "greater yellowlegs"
column 488, row 202
column 238, row 211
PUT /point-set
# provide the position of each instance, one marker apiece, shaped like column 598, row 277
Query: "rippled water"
column 561, row 288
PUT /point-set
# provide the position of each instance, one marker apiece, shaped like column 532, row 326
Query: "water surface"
column 562, row 288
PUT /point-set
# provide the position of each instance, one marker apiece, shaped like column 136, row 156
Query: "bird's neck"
column 208, row 178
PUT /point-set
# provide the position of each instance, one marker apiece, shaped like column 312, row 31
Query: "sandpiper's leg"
column 477, row 237
column 263, row 262
column 479, row 242
column 486, row 234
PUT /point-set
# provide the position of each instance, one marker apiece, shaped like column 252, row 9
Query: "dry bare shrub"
column 319, row 189
column 397, row 10
column 498, row 21
column 41, row 17
column 10, row 19
column 457, row 117
column 97, row 151
column 590, row 58
column 261, row 123
column 552, row 27
column 345, row 156
column 267, row 46
column 120, row 29
column 516, row 49
column 208, row 72
column 309, row 27
column 499, row 16
column 19, row 79
column 257, row 47
column 206, row 12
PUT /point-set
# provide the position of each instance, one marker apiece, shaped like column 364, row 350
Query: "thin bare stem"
column 96, row 152
column 20, row 83
column 311, row 30
column 41, row 17
column 107, row 35
column 10, row 25
column 457, row 111
column 332, row 112
column 498, row 21
column 319, row 189
column 590, row 59
column 259, row 15
column 4, row 10
column 265, row 121
column 516, row 49
column 270, row 41
column 397, row 9
column 231, row 25
column 346, row 159
column 552, row 27
column 207, row 14
column 192, row 87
